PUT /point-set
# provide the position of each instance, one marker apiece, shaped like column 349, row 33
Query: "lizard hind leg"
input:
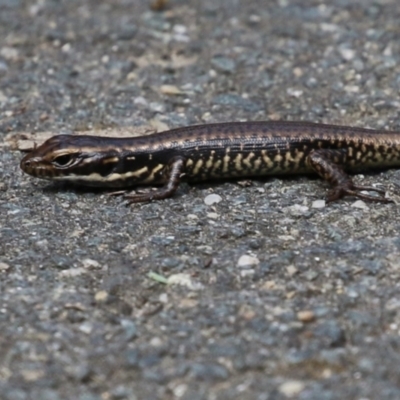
column 326, row 163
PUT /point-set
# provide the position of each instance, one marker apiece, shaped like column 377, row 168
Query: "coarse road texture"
column 266, row 294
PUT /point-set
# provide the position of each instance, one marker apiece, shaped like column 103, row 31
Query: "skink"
column 218, row 151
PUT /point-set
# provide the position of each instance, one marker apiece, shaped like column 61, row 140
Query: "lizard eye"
column 63, row 161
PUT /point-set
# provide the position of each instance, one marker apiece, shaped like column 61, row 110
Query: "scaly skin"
column 218, row 151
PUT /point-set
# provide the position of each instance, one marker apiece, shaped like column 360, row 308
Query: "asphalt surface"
column 262, row 295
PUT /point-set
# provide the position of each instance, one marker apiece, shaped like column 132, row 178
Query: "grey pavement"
column 266, row 294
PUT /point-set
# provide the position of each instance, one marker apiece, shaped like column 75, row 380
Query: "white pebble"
column 294, row 92
column 247, row 261
column 212, row 199
column 212, row 215
column 4, row 267
column 347, row 54
column 291, row 270
column 291, row 388
column 247, row 272
column 9, row 53
column 73, row 272
column 318, row 204
column 90, row 264
column 163, row 298
column 141, row 101
column 156, row 342
column 66, row 48
column 180, row 29
column 360, row 204
column 86, row 327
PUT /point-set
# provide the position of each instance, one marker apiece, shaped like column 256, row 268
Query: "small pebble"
column 305, row 316
column 121, row 392
column 212, row 199
column 86, row 327
column 91, row 264
column 223, row 64
column 347, row 54
column 157, row 107
column 3, row 70
column 184, row 280
column 32, row 375
column 4, row 267
column 247, row 261
column 291, row 270
column 212, row 215
column 80, row 373
column 101, row 296
column 181, row 29
column 268, row 285
column 9, row 53
column 254, row 19
column 170, row 90
column 209, row 372
column 360, row 204
column 297, row 209
column 163, row 298
column 180, row 390
column 247, row 272
column 73, row 272
column 291, row 388
column 318, row 204
column 294, row 92
column 129, row 328
column 140, row 100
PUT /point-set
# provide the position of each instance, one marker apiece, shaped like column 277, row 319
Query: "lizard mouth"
column 34, row 166
column 30, row 165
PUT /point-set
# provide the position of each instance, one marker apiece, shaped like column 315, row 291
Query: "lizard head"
column 70, row 158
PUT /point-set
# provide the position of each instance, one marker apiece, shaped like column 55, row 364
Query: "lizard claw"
column 354, row 190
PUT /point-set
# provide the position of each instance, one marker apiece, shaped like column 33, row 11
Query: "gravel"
column 262, row 291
